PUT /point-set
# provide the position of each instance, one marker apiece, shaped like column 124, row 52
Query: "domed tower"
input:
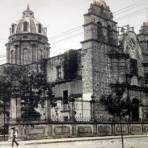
column 28, row 40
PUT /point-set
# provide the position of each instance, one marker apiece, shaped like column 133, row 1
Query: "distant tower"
column 28, row 40
column 100, row 36
column 143, row 40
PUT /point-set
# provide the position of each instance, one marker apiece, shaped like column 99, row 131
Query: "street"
column 115, row 143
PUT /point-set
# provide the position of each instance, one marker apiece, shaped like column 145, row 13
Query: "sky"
column 64, row 19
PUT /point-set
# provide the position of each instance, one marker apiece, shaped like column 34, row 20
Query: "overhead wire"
column 129, row 7
column 120, row 11
column 133, row 12
column 78, row 28
column 116, row 13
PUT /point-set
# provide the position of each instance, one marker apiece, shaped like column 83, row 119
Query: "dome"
column 27, row 24
column 100, row 3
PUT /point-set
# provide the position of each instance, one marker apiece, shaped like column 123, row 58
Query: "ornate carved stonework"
column 131, row 46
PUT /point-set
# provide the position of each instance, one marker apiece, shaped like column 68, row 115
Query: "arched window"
column 16, row 54
column 25, row 26
column 13, row 28
column 12, row 57
column 39, row 28
column 133, row 67
column 100, row 32
column 40, row 54
column 46, row 53
column 109, row 34
column 25, row 56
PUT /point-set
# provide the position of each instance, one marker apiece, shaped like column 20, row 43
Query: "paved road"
column 129, row 143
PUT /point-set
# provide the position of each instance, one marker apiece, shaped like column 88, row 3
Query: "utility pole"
column 122, row 138
column 4, row 111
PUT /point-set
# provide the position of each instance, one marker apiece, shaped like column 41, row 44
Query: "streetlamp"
column 57, row 114
column 122, row 138
column 92, row 102
column 121, row 114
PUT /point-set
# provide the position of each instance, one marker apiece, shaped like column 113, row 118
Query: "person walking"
column 14, row 136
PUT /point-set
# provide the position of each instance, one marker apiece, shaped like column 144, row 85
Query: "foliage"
column 7, row 77
column 115, row 104
column 34, row 90
column 31, row 87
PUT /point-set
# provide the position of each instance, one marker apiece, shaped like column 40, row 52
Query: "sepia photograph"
column 74, row 74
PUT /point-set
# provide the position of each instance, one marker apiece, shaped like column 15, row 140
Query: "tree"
column 34, row 90
column 5, row 94
column 31, row 87
column 8, row 75
column 116, row 104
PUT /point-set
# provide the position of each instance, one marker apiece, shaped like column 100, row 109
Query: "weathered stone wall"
column 101, row 70
column 100, row 36
column 59, row 61
column 52, row 64
column 87, row 78
column 73, row 87
column 96, row 74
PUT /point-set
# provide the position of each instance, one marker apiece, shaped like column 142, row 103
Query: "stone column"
column 92, row 103
column 8, row 54
column 140, row 112
column 15, row 109
column 91, row 109
column 48, row 110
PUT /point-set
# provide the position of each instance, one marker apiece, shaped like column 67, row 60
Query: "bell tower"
column 99, row 24
column 100, row 36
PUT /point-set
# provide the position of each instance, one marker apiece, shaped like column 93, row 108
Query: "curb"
column 84, row 139
column 64, row 140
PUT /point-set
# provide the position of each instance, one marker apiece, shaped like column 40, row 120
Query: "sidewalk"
column 62, row 140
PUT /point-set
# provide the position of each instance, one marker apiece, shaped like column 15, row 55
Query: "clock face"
column 131, row 46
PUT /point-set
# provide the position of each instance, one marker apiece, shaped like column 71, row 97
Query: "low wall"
column 65, row 130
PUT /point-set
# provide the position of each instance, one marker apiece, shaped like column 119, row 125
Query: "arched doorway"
column 135, row 109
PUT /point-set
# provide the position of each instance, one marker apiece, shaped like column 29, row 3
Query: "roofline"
column 28, row 33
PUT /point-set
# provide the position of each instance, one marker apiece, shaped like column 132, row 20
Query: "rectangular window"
column 133, row 67
column 65, row 118
column 65, row 97
column 39, row 28
column 25, row 26
column 59, row 72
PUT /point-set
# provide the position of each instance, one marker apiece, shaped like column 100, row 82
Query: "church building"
column 111, row 57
